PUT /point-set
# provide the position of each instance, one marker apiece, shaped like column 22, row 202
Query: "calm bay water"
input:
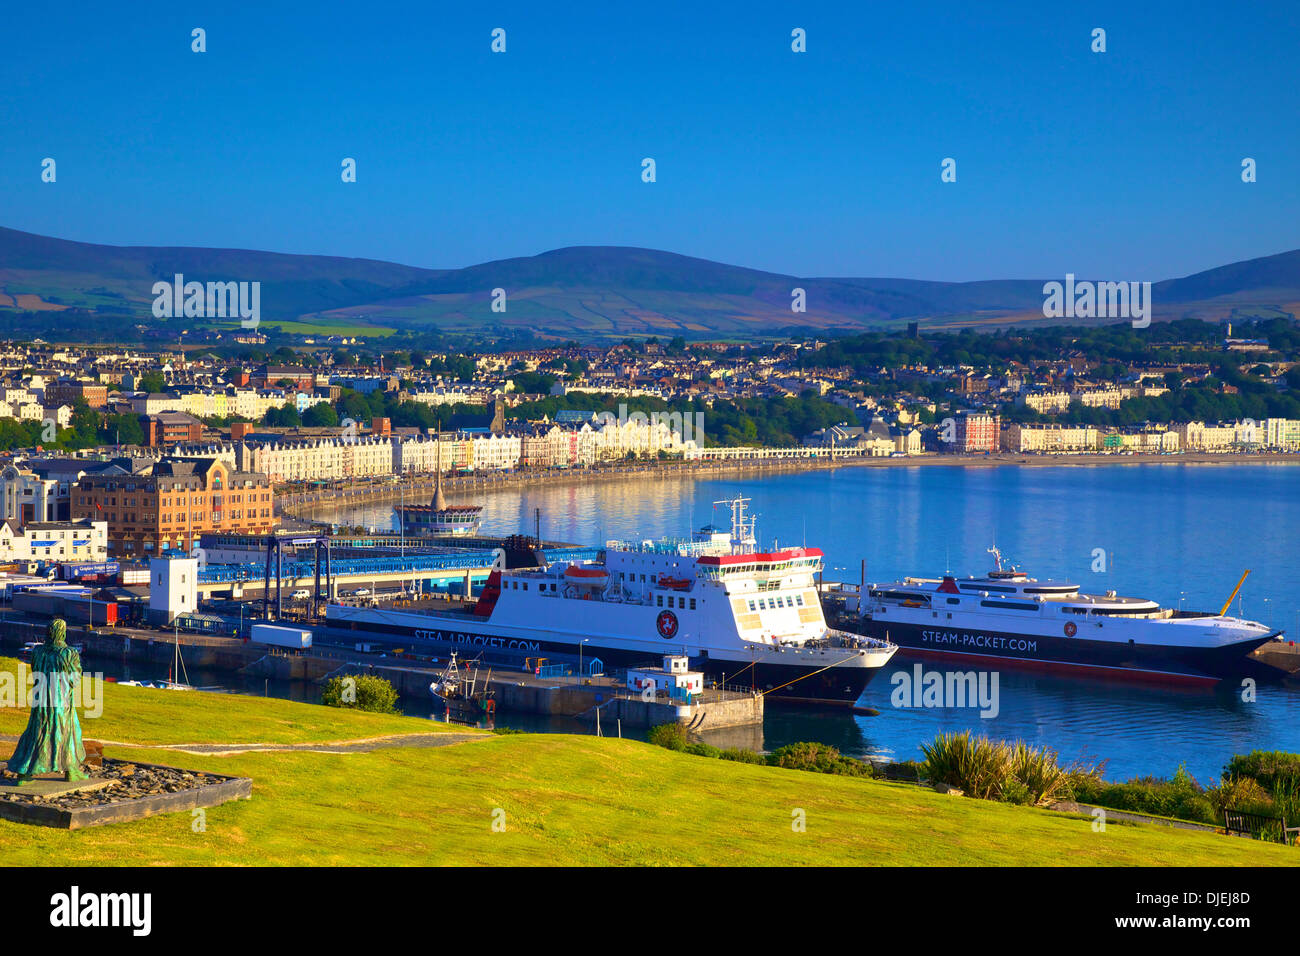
column 1174, row 533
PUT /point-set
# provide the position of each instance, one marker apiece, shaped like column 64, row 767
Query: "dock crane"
column 321, row 545
column 1228, row 603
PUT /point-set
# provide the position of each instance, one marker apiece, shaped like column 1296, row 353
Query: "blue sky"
column 1124, row 164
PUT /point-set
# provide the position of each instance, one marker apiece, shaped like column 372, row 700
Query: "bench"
column 1259, row 827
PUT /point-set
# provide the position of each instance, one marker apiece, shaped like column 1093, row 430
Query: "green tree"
column 151, row 382
column 365, row 692
column 321, row 415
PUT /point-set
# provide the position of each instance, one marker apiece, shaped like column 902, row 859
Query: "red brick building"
column 977, row 432
column 167, row 428
column 66, row 392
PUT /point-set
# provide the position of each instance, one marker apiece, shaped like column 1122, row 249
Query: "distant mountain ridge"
column 585, row 292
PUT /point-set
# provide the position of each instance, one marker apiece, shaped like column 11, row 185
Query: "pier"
column 582, row 697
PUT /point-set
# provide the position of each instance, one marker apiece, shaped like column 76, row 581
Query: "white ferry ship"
column 1008, row 616
column 742, row 616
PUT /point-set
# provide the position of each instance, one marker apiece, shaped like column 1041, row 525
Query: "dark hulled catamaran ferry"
column 1010, row 617
column 742, row 615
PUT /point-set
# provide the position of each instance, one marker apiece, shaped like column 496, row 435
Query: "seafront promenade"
column 341, row 493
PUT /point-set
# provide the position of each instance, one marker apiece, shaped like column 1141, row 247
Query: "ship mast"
column 742, row 528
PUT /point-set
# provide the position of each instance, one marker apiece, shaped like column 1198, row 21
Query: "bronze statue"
column 52, row 741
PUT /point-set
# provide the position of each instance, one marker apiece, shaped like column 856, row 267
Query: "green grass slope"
column 563, row 800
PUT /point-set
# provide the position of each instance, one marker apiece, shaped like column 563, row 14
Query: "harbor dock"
column 562, row 694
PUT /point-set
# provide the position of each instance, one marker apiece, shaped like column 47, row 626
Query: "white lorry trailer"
column 296, row 638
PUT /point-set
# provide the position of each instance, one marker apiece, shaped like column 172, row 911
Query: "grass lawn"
column 566, row 800
column 145, row 716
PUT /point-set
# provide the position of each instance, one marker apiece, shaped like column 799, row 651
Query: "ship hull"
column 784, row 683
column 1203, row 666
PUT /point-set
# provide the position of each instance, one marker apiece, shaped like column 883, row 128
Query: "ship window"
column 692, row 604
column 1009, row 605
column 659, row 600
column 954, row 600
column 799, row 598
column 753, row 606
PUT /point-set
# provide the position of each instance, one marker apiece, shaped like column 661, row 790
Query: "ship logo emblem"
column 666, row 622
column 1071, row 629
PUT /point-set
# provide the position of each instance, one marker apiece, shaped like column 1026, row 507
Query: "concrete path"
column 359, row 745
column 1130, row 817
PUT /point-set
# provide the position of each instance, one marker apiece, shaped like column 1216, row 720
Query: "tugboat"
column 438, row 517
column 1009, row 617
column 459, row 697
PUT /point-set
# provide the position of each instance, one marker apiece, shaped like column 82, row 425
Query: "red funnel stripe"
column 488, row 599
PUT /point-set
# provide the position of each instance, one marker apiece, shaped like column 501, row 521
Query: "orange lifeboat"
column 580, row 575
column 677, row 584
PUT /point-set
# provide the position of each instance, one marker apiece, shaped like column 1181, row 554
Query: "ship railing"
column 683, row 547
column 836, row 638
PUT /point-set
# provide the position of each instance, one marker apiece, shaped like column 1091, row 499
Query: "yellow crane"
column 1228, row 603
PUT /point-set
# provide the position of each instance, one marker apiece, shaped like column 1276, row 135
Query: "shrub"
column 1238, row 793
column 909, row 770
column 1286, row 802
column 1038, row 773
column 702, row 750
column 671, row 736
column 998, row 770
column 1269, row 768
column 975, row 765
column 741, row 756
column 364, row 692
column 1013, row 791
column 818, row 758
column 1180, row 796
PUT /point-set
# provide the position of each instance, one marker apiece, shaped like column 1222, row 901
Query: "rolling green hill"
column 586, row 292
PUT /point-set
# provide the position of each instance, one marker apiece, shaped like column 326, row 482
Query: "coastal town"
column 97, row 436
column 590, row 437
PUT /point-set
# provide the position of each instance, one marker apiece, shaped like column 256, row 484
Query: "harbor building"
column 153, row 506
column 1050, row 438
column 49, row 541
